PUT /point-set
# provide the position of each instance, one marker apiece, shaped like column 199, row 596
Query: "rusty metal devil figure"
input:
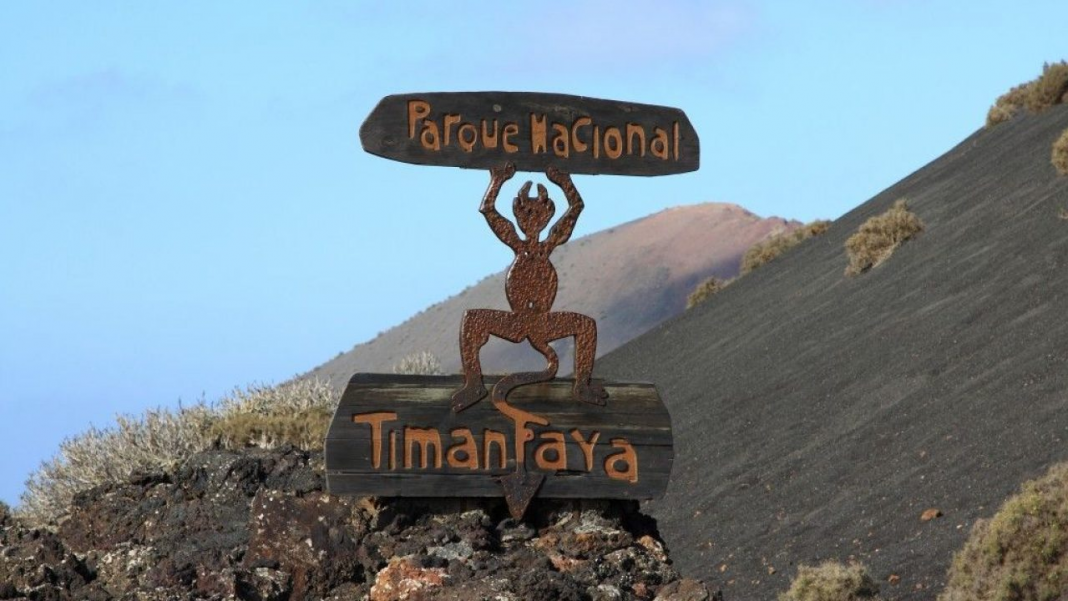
column 531, row 289
column 418, row 436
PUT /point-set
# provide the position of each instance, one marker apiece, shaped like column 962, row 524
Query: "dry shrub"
column 161, row 439
column 1021, row 554
column 831, row 581
column 305, row 429
column 1060, row 153
column 421, row 363
column 296, row 413
column 705, row 290
column 767, row 250
column 878, row 237
column 1007, row 105
column 1049, row 88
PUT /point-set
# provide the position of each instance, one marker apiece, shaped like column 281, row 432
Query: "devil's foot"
column 467, row 396
column 592, row 393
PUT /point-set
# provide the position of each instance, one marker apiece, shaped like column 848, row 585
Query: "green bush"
column 1060, row 153
column 767, row 250
column 878, row 237
column 1020, row 554
column 295, row 413
column 705, row 290
column 831, row 581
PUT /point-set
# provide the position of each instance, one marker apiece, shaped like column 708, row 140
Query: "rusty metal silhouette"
column 530, row 287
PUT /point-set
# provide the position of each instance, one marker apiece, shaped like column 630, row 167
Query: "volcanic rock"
column 257, row 525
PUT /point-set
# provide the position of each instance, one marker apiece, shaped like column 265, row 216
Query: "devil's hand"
column 504, row 173
column 556, row 176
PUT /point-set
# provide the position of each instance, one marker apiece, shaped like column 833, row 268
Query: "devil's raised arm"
column 563, row 228
column 497, row 222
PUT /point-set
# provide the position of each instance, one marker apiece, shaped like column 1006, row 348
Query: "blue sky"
column 185, row 208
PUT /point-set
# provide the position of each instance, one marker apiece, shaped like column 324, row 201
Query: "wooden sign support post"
column 537, row 435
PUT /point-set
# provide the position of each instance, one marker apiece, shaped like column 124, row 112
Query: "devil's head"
column 533, row 213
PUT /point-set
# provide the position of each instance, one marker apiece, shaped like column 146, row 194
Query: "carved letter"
column 561, row 146
column 449, row 121
column 392, row 450
column 510, row 129
column 659, row 145
column 555, row 442
column 375, row 420
column 417, row 109
column 586, row 446
column 467, row 142
column 467, row 447
column 634, row 129
column 487, row 140
column 537, row 133
column 613, row 142
column 675, row 126
column 626, row 455
column 579, row 145
column 596, row 142
column 429, row 137
column 426, row 438
column 493, row 437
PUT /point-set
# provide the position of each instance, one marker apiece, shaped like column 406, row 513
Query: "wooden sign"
column 533, row 131
column 396, row 435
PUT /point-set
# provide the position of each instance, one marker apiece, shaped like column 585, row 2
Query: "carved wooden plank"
column 479, row 130
column 395, row 435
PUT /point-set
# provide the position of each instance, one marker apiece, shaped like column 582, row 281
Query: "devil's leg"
column 584, row 329
column 475, row 329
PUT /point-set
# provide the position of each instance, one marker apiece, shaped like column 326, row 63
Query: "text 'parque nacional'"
column 532, row 131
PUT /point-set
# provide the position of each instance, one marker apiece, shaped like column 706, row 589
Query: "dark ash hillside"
column 817, row 415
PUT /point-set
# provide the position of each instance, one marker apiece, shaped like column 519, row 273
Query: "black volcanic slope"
column 816, row 415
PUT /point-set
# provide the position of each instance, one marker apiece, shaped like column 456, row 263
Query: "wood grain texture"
column 479, row 130
column 634, row 421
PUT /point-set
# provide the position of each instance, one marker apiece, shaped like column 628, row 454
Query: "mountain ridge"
column 628, row 277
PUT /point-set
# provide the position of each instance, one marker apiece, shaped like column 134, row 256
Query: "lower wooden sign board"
column 396, row 435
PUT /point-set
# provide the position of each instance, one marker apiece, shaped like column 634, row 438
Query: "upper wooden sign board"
column 480, row 130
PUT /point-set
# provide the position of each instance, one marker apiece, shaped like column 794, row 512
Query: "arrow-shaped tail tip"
column 519, row 489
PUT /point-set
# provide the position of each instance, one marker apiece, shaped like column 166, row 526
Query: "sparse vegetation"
column 767, row 250
column 1007, row 105
column 1048, row 89
column 1060, row 153
column 878, row 237
column 295, row 413
column 705, row 290
column 831, row 581
column 422, row 363
column 1021, row 554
